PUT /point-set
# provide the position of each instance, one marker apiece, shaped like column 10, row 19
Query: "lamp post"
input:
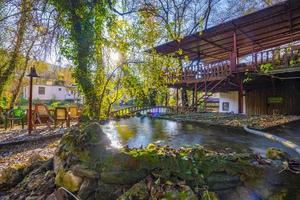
column 31, row 75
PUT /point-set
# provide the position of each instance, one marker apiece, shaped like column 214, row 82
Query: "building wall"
column 257, row 99
column 51, row 92
column 230, row 98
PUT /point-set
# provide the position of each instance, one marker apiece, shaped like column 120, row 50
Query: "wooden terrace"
column 220, row 56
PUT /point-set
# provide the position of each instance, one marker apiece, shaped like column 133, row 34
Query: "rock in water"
column 276, row 154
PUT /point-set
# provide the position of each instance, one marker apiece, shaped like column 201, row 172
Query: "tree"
column 180, row 18
column 10, row 67
column 83, row 20
column 27, row 32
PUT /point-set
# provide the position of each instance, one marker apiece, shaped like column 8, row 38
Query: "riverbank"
column 87, row 165
column 235, row 121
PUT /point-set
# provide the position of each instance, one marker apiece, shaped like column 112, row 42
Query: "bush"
column 55, row 104
column 3, row 102
column 265, row 68
column 19, row 112
column 23, row 101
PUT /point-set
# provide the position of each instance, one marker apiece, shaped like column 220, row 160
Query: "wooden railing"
column 277, row 57
column 200, row 72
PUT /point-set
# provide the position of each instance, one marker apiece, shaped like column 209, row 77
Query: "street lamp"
column 31, row 75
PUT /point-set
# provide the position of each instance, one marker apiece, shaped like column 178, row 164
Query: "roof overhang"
column 264, row 29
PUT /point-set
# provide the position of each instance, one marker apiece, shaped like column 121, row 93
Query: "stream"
column 139, row 132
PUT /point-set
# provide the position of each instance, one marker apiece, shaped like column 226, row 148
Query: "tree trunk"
column 83, row 35
column 16, row 92
column 184, row 97
column 19, row 41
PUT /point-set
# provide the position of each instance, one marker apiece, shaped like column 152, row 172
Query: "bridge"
column 133, row 110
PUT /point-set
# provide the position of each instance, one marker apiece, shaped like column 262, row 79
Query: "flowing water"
column 137, row 132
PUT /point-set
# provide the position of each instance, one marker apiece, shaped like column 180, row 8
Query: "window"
column 225, row 106
column 42, row 90
column 59, row 89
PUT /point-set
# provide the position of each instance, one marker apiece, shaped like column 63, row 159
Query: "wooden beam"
column 240, row 93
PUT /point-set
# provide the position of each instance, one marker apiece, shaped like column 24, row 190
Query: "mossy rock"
column 180, row 195
column 276, row 154
column 86, row 146
column 38, row 183
column 123, row 177
column 68, row 180
column 110, row 191
column 10, row 177
column 206, row 195
column 138, row 191
column 94, row 135
column 281, row 195
column 222, row 181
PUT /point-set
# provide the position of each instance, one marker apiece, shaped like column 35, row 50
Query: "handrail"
column 135, row 109
column 206, row 72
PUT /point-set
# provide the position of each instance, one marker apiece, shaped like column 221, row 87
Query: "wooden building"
column 257, row 56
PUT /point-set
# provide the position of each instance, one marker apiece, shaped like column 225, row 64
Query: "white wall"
column 51, row 92
column 232, row 98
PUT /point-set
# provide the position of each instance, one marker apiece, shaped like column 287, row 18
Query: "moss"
column 206, row 195
column 59, row 177
column 19, row 166
column 137, row 191
column 84, row 156
column 67, row 180
column 282, row 195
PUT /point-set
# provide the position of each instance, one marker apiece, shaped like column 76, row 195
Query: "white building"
column 51, row 92
column 228, row 102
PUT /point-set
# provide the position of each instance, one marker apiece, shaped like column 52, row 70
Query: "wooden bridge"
column 133, row 110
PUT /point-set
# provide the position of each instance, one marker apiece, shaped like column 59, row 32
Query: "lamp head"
column 33, row 72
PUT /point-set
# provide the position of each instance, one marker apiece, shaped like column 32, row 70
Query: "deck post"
column 233, row 58
column 196, row 97
column 240, row 93
column 167, row 99
column 177, row 100
column 205, row 95
column 193, row 98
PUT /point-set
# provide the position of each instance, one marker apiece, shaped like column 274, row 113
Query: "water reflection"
column 137, row 132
